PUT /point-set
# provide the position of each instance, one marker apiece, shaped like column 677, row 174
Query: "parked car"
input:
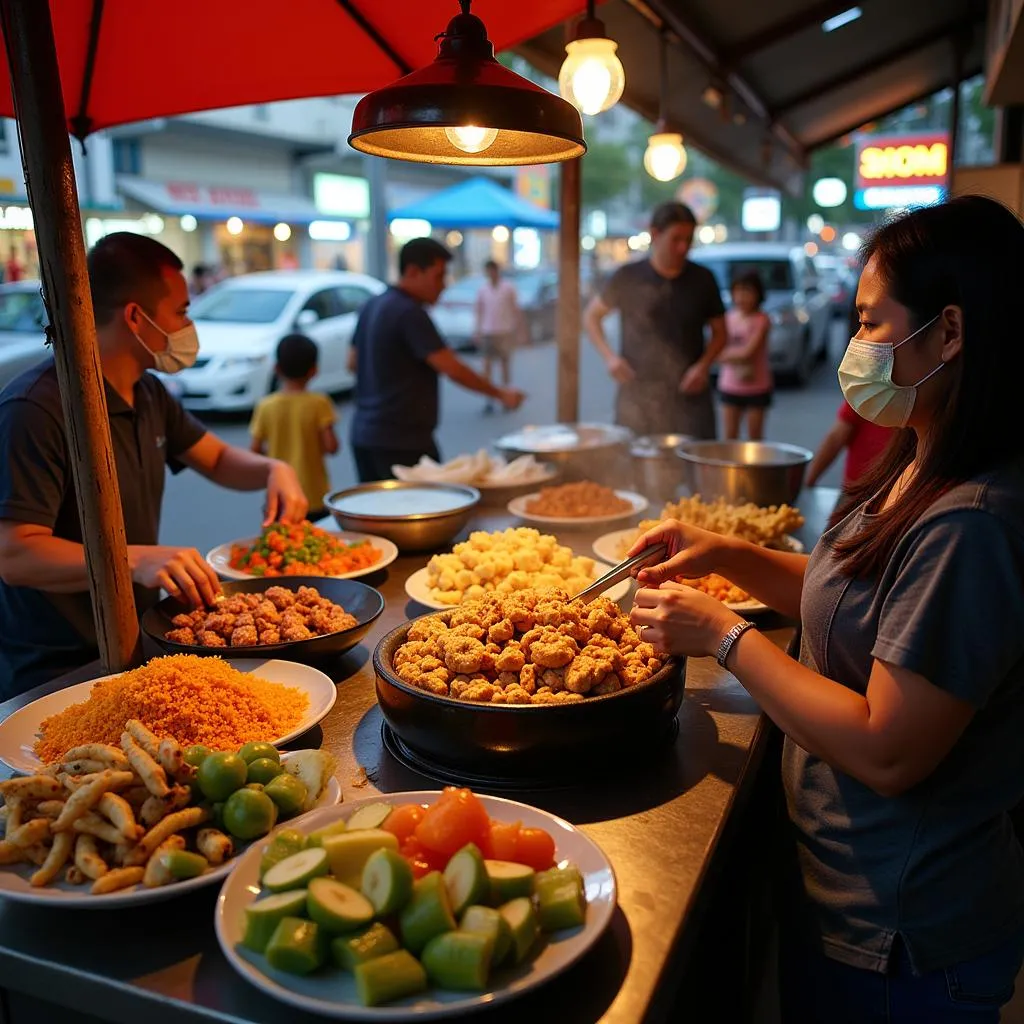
column 241, row 320
column 838, row 281
column 800, row 311
column 22, row 327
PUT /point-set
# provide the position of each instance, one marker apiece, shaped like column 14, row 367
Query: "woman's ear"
column 953, row 330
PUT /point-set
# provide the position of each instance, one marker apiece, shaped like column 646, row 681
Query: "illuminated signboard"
column 902, row 160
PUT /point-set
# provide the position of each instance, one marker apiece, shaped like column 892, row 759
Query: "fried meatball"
column 182, row 635
column 426, row 628
column 244, row 636
column 209, row 639
column 280, row 597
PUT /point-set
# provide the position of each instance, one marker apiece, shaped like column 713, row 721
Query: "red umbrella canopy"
column 128, row 60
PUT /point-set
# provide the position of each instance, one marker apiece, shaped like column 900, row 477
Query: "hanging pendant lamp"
column 665, row 158
column 466, row 108
column 592, row 77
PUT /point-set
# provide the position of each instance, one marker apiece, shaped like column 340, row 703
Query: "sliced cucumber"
column 489, row 921
column 337, row 908
column 296, row 946
column 427, row 914
column 181, row 864
column 263, row 916
column 284, row 844
column 466, row 878
column 351, row 950
column 349, row 852
column 459, row 960
column 370, row 816
column 508, row 881
column 387, row 881
column 296, row 871
column 522, row 921
column 392, row 976
column 317, row 838
column 561, row 901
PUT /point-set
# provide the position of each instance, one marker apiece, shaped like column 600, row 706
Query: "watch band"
column 729, row 639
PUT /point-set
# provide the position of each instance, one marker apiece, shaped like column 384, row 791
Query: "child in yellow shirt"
column 296, row 425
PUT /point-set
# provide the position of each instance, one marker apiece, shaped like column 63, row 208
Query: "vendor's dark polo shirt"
column 396, row 388
column 663, row 318
column 42, row 635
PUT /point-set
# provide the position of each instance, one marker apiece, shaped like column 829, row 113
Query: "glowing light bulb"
column 665, row 158
column 471, row 139
column 592, row 77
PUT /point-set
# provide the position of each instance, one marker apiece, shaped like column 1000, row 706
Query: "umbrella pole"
column 569, row 291
column 50, row 179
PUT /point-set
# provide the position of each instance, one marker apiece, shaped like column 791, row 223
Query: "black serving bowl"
column 528, row 740
column 356, row 598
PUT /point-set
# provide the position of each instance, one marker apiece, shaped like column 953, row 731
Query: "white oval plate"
column 332, row 993
column 19, row 730
column 219, row 557
column 519, row 507
column 14, row 884
column 613, row 547
column 418, row 588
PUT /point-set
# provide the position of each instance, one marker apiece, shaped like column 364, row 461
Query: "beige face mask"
column 865, row 375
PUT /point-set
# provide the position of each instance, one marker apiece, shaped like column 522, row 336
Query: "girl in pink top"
column 745, row 380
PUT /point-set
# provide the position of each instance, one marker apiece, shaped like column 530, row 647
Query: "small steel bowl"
column 528, row 740
column 764, row 472
column 388, row 508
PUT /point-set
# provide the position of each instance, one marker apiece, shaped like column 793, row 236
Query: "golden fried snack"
column 32, row 787
column 156, row 871
column 63, row 842
column 32, row 832
column 214, row 845
column 49, row 808
column 119, row 878
column 93, row 825
column 107, row 755
column 118, row 810
column 156, row 808
column 83, row 800
column 87, row 857
column 10, row 853
column 74, row 875
column 176, row 822
column 144, row 737
column 154, row 778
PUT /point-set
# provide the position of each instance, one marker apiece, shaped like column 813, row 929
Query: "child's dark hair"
column 752, row 280
column 297, row 356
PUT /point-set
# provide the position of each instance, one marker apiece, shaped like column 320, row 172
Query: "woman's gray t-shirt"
column 940, row 864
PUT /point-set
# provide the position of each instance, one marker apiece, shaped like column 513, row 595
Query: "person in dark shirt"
column 665, row 304
column 397, row 355
column 140, row 301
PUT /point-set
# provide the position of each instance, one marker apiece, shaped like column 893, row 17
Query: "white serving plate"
column 14, row 884
column 520, row 507
column 332, row 993
column 219, row 558
column 18, row 732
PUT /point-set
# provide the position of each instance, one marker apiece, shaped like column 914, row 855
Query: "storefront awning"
column 478, row 203
column 213, row 202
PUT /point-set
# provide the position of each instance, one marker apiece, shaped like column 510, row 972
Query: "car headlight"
column 244, row 362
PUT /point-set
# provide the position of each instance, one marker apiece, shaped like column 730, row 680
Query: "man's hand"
column 620, row 370
column 511, row 398
column 695, row 380
column 182, row 572
column 285, row 498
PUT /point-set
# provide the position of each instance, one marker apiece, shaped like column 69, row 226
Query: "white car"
column 241, row 321
column 22, row 325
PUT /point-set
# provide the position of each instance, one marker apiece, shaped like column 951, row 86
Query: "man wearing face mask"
column 140, row 300
column 665, row 303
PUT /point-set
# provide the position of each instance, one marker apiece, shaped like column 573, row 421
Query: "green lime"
column 196, row 755
column 256, row 750
column 249, row 814
column 220, row 775
column 263, row 769
column 288, row 792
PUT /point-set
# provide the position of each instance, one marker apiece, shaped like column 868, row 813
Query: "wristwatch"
column 729, row 639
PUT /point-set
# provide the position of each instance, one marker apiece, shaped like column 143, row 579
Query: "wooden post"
column 50, row 178
column 569, row 292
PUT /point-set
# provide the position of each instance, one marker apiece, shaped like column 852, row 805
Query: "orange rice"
column 193, row 699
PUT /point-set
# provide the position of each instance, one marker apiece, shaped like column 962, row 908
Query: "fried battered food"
column 579, row 500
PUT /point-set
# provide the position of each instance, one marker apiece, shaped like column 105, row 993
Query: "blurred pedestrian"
column 296, row 425
column 14, row 269
column 200, row 280
column 745, row 382
column 665, row 304
column 499, row 322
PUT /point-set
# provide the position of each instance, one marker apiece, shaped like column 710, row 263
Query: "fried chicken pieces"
column 278, row 615
column 529, row 647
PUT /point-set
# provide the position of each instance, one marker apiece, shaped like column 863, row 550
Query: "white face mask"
column 182, row 348
column 865, row 375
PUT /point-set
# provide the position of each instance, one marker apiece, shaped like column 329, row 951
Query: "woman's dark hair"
column 967, row 253
column 297, row 356
column 667, row 214
column 752, row 280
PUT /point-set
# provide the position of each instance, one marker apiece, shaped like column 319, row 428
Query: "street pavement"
column 199, row 514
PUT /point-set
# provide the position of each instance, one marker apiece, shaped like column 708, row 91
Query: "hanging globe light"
column 665, row 158
column 592, row 77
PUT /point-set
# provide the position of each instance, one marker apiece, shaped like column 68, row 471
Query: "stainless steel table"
column 661, row 824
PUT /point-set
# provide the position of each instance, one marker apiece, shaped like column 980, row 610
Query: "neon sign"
column 902, row 160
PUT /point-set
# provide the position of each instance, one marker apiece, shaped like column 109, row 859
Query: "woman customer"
column 745, row 382
column 905, row 712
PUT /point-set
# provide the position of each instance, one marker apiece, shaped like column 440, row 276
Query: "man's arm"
column 593, row 324
column 695, row 380
column 445, row 361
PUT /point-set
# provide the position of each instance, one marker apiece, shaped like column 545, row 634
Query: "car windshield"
column 21, row 311
column 240, row 305
column 777, row 274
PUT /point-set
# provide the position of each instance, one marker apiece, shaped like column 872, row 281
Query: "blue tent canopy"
column 477, row 203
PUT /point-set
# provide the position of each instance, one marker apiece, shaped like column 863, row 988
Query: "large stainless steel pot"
column 764, row 472
column 657, row 471
column 582, row 451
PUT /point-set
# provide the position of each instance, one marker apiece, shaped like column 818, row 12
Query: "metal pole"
column 50, row 179
column 377, row 256
column 569, row 292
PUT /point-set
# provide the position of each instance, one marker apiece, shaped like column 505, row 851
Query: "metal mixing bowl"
column 764, row 472
column 581, row 451
column 415, row 516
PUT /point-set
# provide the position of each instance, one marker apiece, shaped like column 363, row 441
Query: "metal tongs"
column 622, row 571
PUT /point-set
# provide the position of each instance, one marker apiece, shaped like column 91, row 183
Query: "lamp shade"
column 466, row 108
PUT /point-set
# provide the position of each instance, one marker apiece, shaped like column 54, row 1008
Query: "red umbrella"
column 128, row 60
